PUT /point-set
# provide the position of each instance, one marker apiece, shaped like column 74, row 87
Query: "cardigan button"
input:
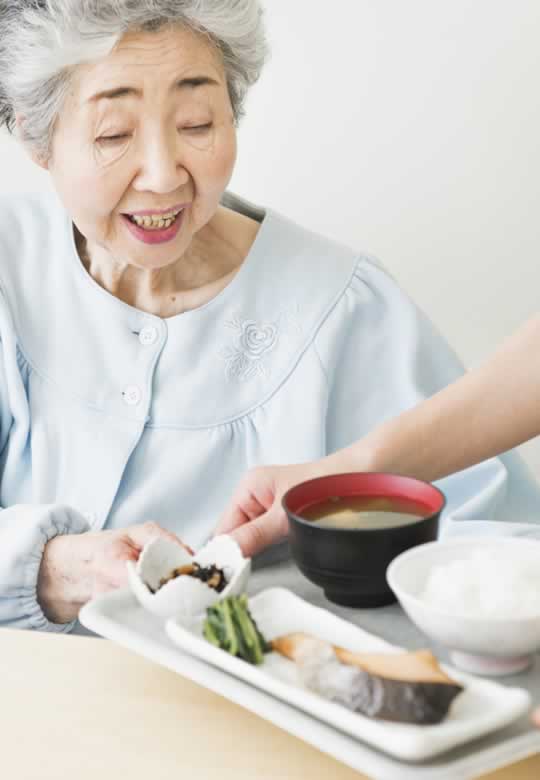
column 148, row 336
column 132, row 395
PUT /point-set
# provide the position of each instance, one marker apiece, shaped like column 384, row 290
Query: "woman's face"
column 147, row 129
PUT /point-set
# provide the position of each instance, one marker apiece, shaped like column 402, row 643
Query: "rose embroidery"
column 254, row 341
column 240, row 367
column 257, row 339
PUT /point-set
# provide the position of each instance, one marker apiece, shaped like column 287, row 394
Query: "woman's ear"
column 21, row 135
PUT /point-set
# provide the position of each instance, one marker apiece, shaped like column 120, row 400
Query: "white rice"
column 486, row 584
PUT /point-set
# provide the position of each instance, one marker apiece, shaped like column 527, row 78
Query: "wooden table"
column 85, row 709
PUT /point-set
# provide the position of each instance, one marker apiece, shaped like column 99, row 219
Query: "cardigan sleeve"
column 382, row 355
column 24, row 529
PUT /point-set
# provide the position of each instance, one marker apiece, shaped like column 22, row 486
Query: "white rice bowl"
column 497, row 583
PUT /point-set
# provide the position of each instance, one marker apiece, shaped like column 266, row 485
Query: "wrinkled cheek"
column 91, row 200
column 226, row 168
column 217, row 165
column 102, row 191
column 210, row 181
column 86, row 185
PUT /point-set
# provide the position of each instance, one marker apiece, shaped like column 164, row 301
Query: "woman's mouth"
column 155, row 228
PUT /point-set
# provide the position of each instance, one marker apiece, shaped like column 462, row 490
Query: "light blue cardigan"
column 110, row 416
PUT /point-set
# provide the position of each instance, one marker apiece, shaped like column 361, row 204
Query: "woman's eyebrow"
column 192, row 82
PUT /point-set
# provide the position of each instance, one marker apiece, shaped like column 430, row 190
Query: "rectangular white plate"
column 120, row 618
column 481, row 708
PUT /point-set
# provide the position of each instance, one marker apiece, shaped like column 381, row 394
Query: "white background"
column 409, row 129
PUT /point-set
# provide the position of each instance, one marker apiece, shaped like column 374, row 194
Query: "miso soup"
column 362, row 512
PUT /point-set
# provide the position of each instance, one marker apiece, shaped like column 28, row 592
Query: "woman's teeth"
column 157, row 222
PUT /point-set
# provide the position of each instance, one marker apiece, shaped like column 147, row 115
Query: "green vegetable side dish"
column 230, row 626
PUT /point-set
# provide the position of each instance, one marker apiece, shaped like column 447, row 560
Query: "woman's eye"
column 110, row 140
column 199, row 128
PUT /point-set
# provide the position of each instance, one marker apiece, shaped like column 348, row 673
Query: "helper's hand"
column 255, row 517
column 77, row 567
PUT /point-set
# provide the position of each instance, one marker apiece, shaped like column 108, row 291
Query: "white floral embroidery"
column 254, row 341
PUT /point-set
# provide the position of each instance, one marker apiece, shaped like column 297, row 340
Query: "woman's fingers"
column 535, row 717
column 118, row 547
column 77, row 567
column 142, row 534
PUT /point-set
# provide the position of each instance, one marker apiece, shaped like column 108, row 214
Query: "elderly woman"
column 160, row 336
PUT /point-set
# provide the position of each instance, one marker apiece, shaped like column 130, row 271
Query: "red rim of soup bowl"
column 350, row 564
column 371, row 484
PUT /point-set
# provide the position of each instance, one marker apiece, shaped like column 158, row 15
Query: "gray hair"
column 43, row 41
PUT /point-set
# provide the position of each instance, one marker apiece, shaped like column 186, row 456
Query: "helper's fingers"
column 241, row 510
column 265, row 530
column 535, row 717
column 142, row 534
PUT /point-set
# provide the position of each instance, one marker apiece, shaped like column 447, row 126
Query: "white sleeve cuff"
column 25, row 529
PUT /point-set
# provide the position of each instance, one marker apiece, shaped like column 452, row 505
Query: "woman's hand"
column 77, row 567
column 255, row 517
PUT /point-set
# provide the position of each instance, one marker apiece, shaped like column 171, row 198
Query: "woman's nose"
column 161, row 167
